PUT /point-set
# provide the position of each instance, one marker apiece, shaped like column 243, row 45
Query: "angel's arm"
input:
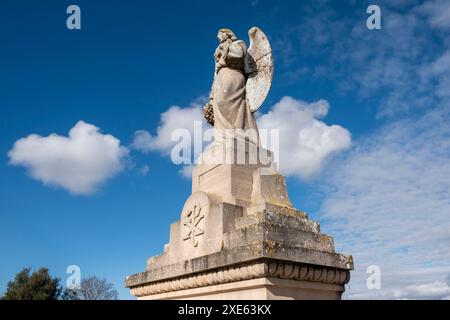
column 236, row 50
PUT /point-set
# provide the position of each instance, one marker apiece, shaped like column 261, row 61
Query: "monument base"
column 239, row 237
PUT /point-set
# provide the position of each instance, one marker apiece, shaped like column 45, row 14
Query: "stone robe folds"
column 231, row 110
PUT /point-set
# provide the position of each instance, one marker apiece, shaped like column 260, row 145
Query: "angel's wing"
column 259, row 68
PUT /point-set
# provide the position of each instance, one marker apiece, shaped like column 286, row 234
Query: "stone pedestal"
column 239, row 237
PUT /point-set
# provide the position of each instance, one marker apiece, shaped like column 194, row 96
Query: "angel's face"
column 222, row 36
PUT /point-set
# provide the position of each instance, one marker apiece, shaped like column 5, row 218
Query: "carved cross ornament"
column 191, row 222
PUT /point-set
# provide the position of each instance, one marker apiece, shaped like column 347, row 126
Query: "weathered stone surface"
column 239, row 225
column 240, row 172
column 265, row 251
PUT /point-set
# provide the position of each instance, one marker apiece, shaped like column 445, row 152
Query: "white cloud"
column 305, row 141
column 186, row 171
column 80, row 163
column 143, row 141
column 437, row 12
column 174, row 118
column 388, row 204
column 144, row 170
column 440, row 69
column 434, row 290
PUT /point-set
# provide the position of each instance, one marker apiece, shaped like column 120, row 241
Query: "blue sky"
column 384, row 197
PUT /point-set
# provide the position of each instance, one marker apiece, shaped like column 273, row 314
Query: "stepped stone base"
column 239, row 237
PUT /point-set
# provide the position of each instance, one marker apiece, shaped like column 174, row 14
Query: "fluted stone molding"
column 259, row 269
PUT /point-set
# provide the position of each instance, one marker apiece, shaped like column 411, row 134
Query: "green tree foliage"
column 39, row 285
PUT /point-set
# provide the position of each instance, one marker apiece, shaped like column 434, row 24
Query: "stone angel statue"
column 242, row 80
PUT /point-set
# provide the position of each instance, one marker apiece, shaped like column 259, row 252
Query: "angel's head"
column 225, row 34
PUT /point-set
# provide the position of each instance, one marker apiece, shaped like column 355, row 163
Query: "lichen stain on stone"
column 271, row 247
